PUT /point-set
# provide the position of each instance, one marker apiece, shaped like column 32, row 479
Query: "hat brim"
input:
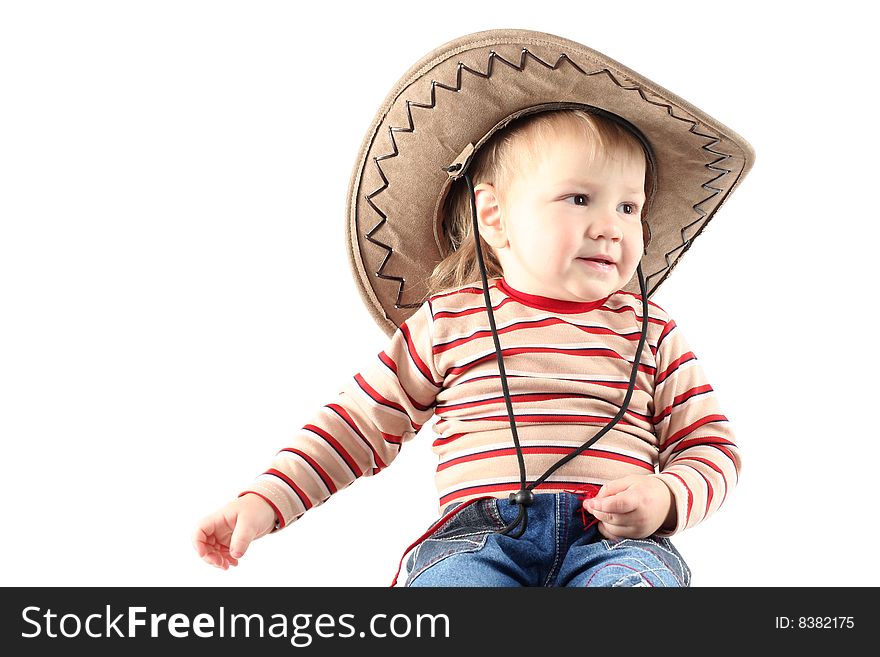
column 458, row 95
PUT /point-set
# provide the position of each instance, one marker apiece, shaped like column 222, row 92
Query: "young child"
column 573, row 437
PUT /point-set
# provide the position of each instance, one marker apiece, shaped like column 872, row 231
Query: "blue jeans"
column 555, row 550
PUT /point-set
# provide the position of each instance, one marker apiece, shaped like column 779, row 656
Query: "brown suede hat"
column 456, row 97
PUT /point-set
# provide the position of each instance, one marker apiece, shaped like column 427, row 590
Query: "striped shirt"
column 568, row 366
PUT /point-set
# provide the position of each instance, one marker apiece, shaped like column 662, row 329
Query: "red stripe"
column 338, row 447
column 622, row 309
column 669, row 371
column 721, row 448
column 375, row 396
column 708, row 488
column 351, row 423
column 637, row 313
column 537, row 397
column 541, row 450
column 711, row 466
column 524, row 398
column 639, row 297
column 729, row 454
column 667, row 329
column 692, row 427
column 464, row 290
column 702, row 441
column 322, row 474
column 577, row 419
column 714, row 466
column 296, row 489
column 483, row 333
column 389, row 362
column 580, row 352
column 414, row 356
column 621, row 385
column 392, row 439
column 445, row 440
column 535, row 324
column 690, row 501
column 680, row 399
column 452, row 314
column 489, row 490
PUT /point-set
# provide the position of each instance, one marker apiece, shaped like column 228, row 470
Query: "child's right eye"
column 579, row 199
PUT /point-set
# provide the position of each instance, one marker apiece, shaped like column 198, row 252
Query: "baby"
column 561, row 199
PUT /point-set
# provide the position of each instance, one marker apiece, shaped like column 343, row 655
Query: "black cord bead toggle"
column 522, row 497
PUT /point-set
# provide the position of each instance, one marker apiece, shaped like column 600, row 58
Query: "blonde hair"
column 498, row 161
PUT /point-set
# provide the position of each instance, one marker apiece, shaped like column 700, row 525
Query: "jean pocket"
column 466, row 531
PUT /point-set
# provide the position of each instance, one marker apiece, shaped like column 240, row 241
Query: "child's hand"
column 223, row 537
column 632, row 507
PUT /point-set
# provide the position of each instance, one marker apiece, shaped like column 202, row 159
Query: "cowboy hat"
column 456, row 97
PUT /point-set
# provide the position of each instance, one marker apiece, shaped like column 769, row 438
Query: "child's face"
column 565, row 211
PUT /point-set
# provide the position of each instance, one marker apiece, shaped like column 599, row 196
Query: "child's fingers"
column 613, row 487
column 242, row 536
column 198, row 542
column 611, row 532
column 213, row 558
column 227, row 556
column 601, row 516
column 220, row 558
column 202, row 539
column 627, row 519
column 211, row 549
column 617, row 503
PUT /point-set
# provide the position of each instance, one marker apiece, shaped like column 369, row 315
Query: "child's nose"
column 605, row 225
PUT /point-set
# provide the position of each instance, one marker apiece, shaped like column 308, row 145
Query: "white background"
column 175, row 296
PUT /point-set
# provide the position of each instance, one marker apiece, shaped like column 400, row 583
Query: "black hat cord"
column 524, row 496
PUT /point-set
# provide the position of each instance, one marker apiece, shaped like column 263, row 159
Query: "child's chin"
column 594, row 290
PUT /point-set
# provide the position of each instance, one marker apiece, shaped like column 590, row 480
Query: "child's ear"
column 489, row 216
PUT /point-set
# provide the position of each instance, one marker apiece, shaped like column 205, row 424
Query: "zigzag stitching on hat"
column 410, row 127
column 524, row 54
column 703, row 215
column 369, row 235
column 686, row 241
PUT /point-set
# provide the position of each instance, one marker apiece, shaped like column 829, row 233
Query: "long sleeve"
column 698, row 459
column 362, row 430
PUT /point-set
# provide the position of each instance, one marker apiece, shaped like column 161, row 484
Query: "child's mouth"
column 597, row 265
